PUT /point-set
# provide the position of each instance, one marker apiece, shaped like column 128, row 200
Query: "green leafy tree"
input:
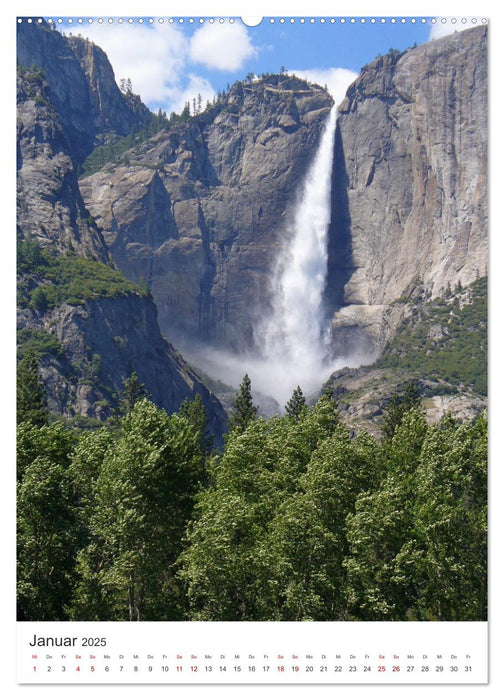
column 30, row 392
column 243, row 410
column 451, row 522
column 219, row 566
column 48, row 529
column 382, row 561
column 47, row 541
column 143, row 498
column 306, row 544
column 228, row 566
column 53, row 441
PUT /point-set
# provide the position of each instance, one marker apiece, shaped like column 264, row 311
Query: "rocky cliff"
column 88, row 343
column 99, row 344
column 82, row 86
column 410, row 190
column 49, row 203
column 197, row 212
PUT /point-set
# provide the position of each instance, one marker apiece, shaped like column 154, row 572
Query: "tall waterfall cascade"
column 293, row 339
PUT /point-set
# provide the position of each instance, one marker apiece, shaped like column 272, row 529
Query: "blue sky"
column 172, row 61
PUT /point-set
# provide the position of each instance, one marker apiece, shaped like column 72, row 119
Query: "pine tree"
column 186, row 112
column 296, row 405
column 133, row 391
column 397, row 408
column 31, row 403
column 39, row 300
column 195, row 413
column 244, row 410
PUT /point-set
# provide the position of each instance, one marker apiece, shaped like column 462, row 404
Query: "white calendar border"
column 272, row 8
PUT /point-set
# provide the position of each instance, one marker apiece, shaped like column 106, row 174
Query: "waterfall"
column 293, row 340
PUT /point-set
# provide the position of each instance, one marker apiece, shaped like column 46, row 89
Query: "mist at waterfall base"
column 293, row 337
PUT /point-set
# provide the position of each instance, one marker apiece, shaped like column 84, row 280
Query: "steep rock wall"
column 410, row 208
column 83, row 91
column 49, row 204
column 105, row 339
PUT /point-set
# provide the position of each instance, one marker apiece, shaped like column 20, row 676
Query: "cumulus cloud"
column 152, row 56
column 158, row 57
column 336, row 79
column 222, row 47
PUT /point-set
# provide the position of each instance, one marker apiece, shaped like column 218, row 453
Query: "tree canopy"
column 295, row 518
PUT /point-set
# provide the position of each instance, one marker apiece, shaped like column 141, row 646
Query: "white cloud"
column 336, row 79
column 440, row 29
column 223, row 47
column 153, row 57
column 197, row 85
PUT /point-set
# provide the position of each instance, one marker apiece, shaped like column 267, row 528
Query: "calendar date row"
column 287, row 669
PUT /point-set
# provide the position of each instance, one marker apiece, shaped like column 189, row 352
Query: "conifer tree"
column 133, row 391
column 397, row 408
column 195, row 413
column 31, row 403
column 244, row 410
column 296, row 405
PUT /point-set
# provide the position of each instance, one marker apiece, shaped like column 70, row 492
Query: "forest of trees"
column 295, row 518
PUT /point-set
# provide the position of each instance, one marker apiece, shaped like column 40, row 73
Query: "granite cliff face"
column 197, row 212
column 83, row 91
column 409, row 199
column 49, row 204
column 67, row 103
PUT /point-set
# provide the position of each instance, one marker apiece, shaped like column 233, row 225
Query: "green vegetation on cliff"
column 48, row 279
column 111, row 152
column 445, row 339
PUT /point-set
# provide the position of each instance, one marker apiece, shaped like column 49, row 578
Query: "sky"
column 173, row 59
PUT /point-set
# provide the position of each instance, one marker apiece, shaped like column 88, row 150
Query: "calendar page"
column 252, row 272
